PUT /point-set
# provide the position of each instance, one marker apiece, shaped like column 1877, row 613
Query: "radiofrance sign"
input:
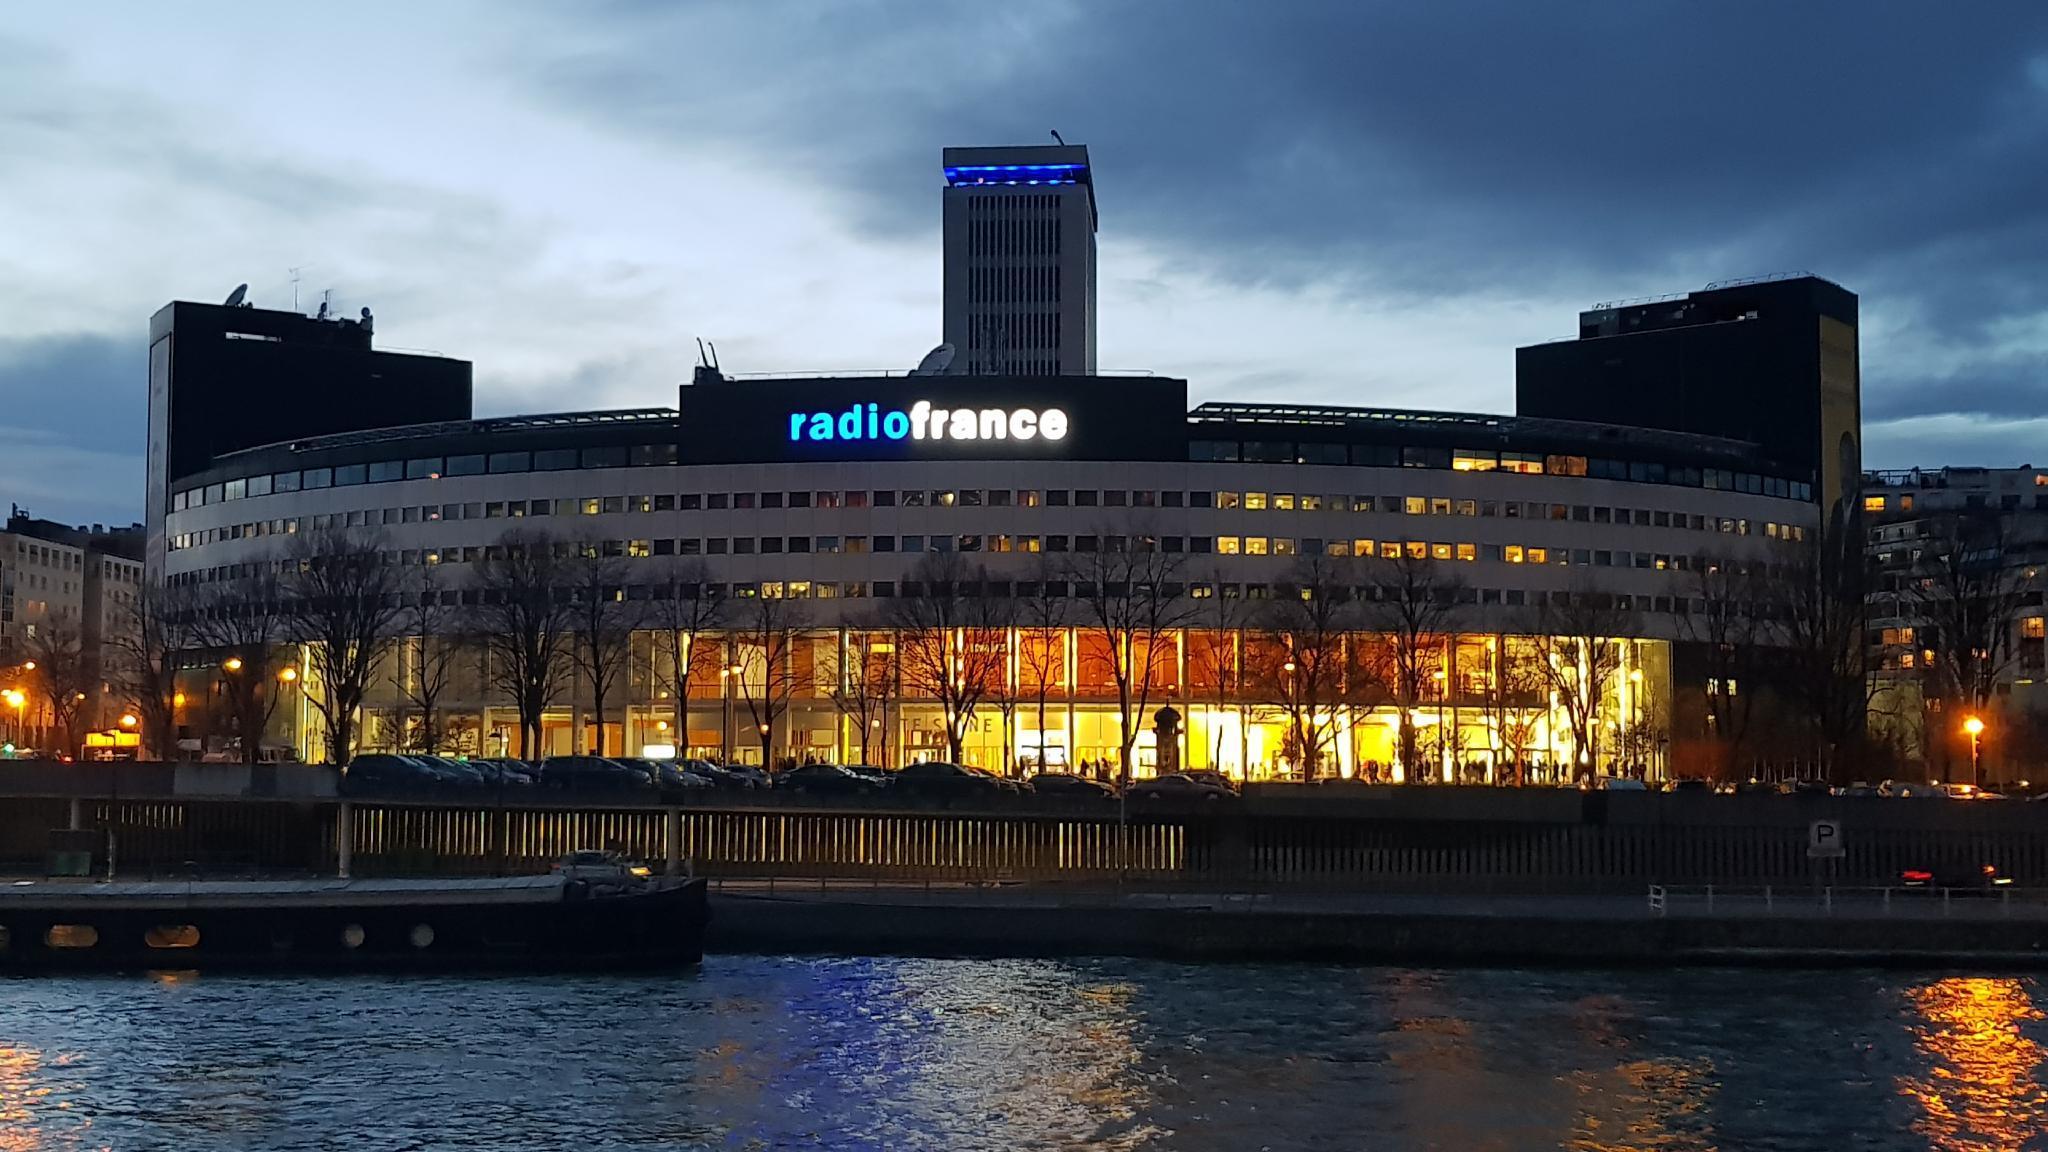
column 924, row 421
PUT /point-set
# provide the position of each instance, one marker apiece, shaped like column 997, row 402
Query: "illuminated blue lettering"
column 821, row 426
column 896, row 425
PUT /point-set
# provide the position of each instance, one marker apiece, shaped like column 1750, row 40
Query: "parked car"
column 938, row 778
column 1690, row 787
column 670, row 778
column 824, row 780
column 1176, row 786
column 1861, row 788
column 1620, row 784
column 878, row 775
column 1217, row 779
column 726, row 775
column 1913, row 791
column 1064, row 785
column 384, row 773
column 593, row 774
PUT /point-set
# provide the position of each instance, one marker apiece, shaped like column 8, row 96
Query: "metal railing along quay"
column 1883, row 901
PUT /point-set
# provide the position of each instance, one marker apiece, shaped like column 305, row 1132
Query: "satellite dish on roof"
column 935, row 362
column 235, row 297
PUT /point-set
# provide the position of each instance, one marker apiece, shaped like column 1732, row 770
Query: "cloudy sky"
column 1338, row 201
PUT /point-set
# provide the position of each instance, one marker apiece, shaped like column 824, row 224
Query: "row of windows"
column 2011, row 502
column 1490, row 460
column 645, row 455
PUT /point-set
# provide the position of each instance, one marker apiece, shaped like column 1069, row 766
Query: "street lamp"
column 287, row 674
column 128, row 720
column 232, row 664
column 1975, row 727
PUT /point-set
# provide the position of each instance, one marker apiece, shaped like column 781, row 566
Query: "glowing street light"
column 1975, row 727
column 177, row 699
column 128, row 720
column 287, row 674
column 233, row 664
column 28, row 665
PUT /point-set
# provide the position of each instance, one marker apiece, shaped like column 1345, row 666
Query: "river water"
column 755, row 1053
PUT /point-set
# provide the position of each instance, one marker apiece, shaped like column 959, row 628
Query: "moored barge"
column 518, row 922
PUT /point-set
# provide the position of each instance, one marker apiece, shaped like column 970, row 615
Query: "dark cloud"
column 1446, row 150
column 74, row 426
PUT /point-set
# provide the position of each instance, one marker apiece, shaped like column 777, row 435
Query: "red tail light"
column 1912, row 876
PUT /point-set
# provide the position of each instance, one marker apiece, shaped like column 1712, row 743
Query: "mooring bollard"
column 344, row 839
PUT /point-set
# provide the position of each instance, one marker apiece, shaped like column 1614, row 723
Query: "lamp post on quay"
column 1975, row 727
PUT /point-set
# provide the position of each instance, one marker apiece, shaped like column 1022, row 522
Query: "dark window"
column 771, row 543
column 1376, row 455
column 554, row 459
column 1056, row 498
column 885, row 499
column 1321, row 454
column 1171, row 499
column 1201, row 499
column 1085, row 497
column 350, row 474
column 382, row 470
column 259, row 485
column 771, row 499
column 1212, row 449
column 1425, row 457
column 285, row 482
column 511, row 461
column 798, row 500
column 646, row 455
column 465, row 466
column 715, row 501
column 609, row 457
column 690, row 501
column 1269, row 451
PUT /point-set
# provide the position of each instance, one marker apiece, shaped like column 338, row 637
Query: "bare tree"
column 242, row 620
column 341, row 600
column 431, row 646
column 861, row 683
column 1127, row 596
column 64, row 676
column 1414, row 603
column 1967, row 591
column 1817, row 602
column 524, row 613
column 1728, row 621
column 766, row 628
column 602, row 622
column 152, row 634
column 1041, row 647
column 1311, row 617
column 951, row 648
column 684, row 615
column 1513, row 701
column 1218, row 662
column 1583, row 630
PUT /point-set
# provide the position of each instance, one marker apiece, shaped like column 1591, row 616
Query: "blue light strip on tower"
column 987, row 174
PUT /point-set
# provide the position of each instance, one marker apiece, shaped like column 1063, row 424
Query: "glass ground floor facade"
column 1479, row 708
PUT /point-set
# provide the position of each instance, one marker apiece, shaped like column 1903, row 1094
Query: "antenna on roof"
column 714, row 357
column 1056, row 135
column 326, row 298
column 935, row 362
column 702, row 359
column 235, row 298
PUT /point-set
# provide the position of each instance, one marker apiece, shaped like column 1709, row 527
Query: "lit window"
column 1227, row 545
column 639, row 548
column 1311, row 503
column 1512, row 553
column 1283, row 501
column 1389, row 549
column 172, row 936
column 1439, row 551
column 71, row 936
column 1255, row 545
column 1414, row 505
column 1468, row 551
column 1539, row 556
column 1440, row 506
column 1255, row 501
column 1361, row 548
column 2032, row 627
column 1340, row 548
column 1873, row 503
column 1469, row 460
column 1417, row 550
column 1227, row 500
column 1283, row 546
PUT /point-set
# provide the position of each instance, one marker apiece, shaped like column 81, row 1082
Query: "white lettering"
column 1052, row 424
column 962, row 427
column 1023, row 424
column 918, row 412
column 993, row 424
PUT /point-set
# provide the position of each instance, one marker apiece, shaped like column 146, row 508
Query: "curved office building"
column 828, row 495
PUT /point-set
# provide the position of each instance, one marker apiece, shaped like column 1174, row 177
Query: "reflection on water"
column 924, row 1054
column 1978, row 1088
